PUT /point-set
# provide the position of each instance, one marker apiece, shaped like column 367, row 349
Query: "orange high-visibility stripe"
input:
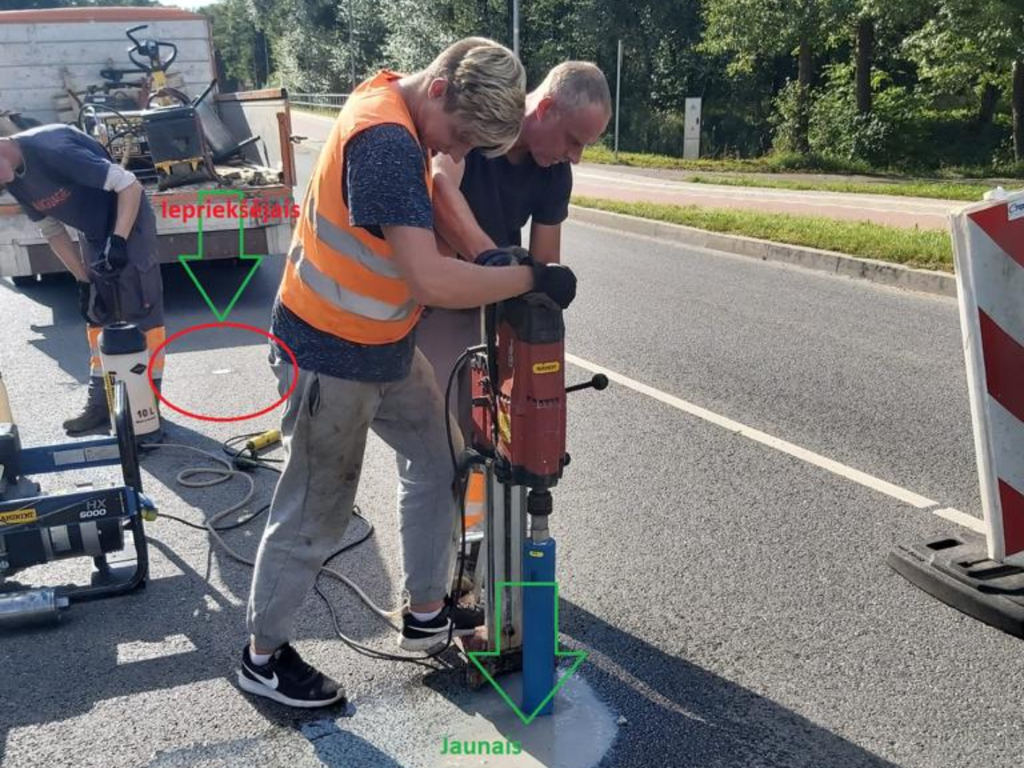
column 476, row 498
column 321, row 314
column 340, row 278
column 154, row 338
column 92, row 335
column 346, row 271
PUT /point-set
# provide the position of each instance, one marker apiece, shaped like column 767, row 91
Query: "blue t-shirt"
column 504, row 196
column 383, row 185
column 62, row 177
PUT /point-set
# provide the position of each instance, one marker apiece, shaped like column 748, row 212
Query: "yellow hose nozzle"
column 267, row 439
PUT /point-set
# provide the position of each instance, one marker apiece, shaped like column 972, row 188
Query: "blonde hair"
column 577, row 84
column 486, row 92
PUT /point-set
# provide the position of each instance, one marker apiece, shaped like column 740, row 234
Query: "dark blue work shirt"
column 384, row 185
column 62, row 177
column 504, row 196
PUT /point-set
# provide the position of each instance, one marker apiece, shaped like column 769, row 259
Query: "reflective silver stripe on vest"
column 344, row 242
column 344, row 299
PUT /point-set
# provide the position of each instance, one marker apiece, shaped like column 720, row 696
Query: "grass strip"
column 927, row 249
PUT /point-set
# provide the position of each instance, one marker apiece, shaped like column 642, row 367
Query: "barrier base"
column 958, row 572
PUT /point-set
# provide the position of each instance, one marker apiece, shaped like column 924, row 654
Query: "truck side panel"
column 34, row 45
column 23, row 251
column 32, row 56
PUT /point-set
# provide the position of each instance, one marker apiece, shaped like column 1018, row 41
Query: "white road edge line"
column 961, row 518
column 868, row 481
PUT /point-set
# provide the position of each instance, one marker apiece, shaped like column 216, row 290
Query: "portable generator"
column 38, row 528
column 177, row 148
column 121, row 132
column 165, row 144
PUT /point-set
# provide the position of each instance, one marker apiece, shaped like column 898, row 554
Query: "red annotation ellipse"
column 243, row 417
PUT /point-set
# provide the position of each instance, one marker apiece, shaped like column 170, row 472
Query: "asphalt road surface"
column 732, row 592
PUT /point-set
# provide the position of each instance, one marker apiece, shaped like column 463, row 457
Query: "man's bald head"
column 566, row 112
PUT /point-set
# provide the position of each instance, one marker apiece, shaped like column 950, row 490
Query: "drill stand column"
column 500, row 565
column 540, row 635
column 515, row 574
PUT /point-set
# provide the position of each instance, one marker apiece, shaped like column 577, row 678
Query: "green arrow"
column 475, row 656
column 185, row 259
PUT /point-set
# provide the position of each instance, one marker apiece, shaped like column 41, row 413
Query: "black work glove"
column 114, row 257
column 556, row 281
column 85, row 300
column 92, row 305
column 505, row 257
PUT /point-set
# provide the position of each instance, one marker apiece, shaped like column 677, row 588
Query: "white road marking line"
column 868, row 481
column 961, row 518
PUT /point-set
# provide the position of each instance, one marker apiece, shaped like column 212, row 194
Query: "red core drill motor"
column 519, row 394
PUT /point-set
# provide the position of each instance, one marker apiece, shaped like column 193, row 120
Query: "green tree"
column 753, row 32
column 973, row 49
column 892, row 83
column 1018, row 109
column 966, row 49
column 234, row 40
column 418, row 31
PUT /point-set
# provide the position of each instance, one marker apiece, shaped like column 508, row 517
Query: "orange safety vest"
column 339, row 278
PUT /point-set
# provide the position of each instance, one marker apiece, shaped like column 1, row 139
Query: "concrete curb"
column 922, row 280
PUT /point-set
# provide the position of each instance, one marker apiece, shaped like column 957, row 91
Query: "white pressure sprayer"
column 125, row 357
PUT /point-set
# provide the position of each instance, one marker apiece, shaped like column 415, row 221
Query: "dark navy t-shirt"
column 62, row 177
column 504, row 196
column 384, row 185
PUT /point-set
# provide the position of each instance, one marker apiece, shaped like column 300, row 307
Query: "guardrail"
column 318, row 100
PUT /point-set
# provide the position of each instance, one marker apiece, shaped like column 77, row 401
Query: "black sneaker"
column 455, row 619
column 288, row 679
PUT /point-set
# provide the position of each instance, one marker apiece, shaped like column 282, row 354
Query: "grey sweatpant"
column 324, row 429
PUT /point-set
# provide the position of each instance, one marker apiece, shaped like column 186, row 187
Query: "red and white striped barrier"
column 988, row 244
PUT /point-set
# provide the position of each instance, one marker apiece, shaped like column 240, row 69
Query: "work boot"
column 96, row 414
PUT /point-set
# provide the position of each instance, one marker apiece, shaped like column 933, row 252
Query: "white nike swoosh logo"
column 270, row 682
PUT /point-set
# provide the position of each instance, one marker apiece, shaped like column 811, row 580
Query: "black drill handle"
column 598, row 382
